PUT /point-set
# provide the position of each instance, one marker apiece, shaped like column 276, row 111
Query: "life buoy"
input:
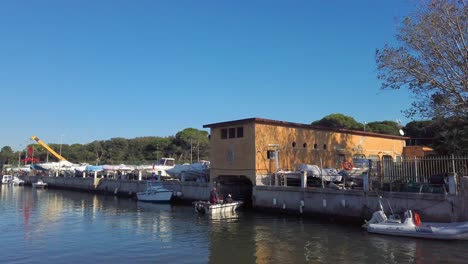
column 347, row 165
column 417, row 219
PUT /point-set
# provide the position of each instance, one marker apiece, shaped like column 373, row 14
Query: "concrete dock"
column 356, row 204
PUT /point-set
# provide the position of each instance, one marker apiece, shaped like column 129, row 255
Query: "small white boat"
column 412, row 226
column 155, row 192
column 6, row 179
column 17, row 181
column 39, row 184
column 208, row 208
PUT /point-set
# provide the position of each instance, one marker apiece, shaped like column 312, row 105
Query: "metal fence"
column 417, row 169
column 409, row 174
column 423, row 174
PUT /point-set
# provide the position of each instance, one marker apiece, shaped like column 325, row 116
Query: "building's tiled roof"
column 297, row 125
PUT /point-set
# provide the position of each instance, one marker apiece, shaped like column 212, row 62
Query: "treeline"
column 446, row 136
column 188, row 145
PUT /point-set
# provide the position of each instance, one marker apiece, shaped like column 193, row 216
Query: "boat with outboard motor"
column 208, row 208
column 411, row 226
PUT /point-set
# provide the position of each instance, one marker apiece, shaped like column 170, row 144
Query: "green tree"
column 339, row 121
column 140, row 150
column 6, row 155
column 193, row 143
column 421, row 132
column 430, row 59
column 451, row 136
column 117, row 150
column 384, row 127
column 157, row 148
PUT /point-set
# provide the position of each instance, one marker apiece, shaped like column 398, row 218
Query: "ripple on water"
column 54, row 225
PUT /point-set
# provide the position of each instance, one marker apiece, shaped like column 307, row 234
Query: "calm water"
column 57, row 226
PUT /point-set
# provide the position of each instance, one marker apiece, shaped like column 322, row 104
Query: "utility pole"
column 61, row 137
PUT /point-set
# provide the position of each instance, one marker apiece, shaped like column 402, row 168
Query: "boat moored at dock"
column 155, row 192
column 6, row 179
column 411, row 226
column 39, row 184
column 17, row 181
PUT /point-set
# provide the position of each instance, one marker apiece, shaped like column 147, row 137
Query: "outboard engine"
column 378, row 217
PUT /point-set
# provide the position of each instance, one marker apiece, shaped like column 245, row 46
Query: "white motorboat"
column 198, row 171
column 17, row 181
column 208, row 208
column 155, row 192
column 412, row 226
column 6, row 179
column 39, row 184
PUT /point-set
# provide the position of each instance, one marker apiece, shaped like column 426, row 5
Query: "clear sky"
column 79, row 71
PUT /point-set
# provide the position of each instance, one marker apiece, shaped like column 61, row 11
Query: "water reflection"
column 57, row 225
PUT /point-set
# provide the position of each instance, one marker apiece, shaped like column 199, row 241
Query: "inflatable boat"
column 411, row 226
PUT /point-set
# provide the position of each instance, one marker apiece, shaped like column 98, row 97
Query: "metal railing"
column 420, row 174
column 408, row 174
column 417, row 169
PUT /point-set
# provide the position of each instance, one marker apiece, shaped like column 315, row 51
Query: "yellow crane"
column 58, row 156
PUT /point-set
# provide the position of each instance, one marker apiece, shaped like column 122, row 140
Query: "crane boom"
column 58, row 156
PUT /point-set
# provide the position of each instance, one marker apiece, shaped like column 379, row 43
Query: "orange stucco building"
column 248, row 147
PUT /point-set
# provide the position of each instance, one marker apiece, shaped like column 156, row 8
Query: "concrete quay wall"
column 186, row 190
column 315, row 201
column 360, row 205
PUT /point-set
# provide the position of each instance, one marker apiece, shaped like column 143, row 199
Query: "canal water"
column 58, row 226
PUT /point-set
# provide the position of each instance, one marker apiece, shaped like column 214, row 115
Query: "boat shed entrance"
column 239, row 186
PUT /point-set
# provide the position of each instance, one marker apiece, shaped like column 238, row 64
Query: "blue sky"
column 79, row 71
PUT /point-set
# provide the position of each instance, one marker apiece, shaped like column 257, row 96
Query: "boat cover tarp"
column 328, row 174
column 38, row 167
column 91, row 168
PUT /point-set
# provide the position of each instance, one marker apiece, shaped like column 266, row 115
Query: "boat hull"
column 7, row 179
column 212, row 209
column 39, row 184
column 448, row 231
column 159, row 196
column 155, row 192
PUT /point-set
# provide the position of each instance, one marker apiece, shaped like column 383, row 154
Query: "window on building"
column 359, row 156
column 240, row 132
column 224, row 133
column 324, row 146
column 232, row 132
column 375, row 161
column 359, row 160
column 387, row 158
column 339, row 160
column 315, row 146
column 304, row 145
column 271, row 154
column 294, row 144
column 374, row 158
